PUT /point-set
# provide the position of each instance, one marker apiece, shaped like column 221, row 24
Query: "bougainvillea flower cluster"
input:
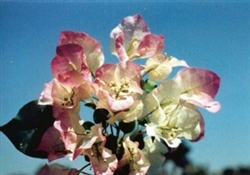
column 139, row 112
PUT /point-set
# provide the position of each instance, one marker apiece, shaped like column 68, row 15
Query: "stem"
column 84, row 167
column 146, row 72
column 86, row 173
column 111, row 129
column 117, row 132
column 81, row 170
column 115, row 125
column 150, row 112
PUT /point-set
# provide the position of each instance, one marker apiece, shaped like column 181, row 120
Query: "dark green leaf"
column 148, row 85
column 101, row 115
column 87, row 125
column 86, row 158
column 27, row 128
column 126, row 127
column 139, row 138
column 91, row 105
column 111, row 143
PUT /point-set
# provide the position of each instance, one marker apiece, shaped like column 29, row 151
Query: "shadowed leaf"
column 26, row 129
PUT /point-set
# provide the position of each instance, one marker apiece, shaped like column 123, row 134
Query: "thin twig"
column 84, row 167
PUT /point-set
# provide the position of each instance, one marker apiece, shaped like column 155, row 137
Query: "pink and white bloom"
column 162, row 101
column 171, row 117
column 91, row 48
column 72, row 132
column 70, row 69
column 101, row 158
column 199, row 87
column 132, row 39
column 69, row 65
column 129, row 114
column 120, row 83
column 185, row 122
column 60, row 96
column 137, row 160
column 52, row 143
column 63, row 96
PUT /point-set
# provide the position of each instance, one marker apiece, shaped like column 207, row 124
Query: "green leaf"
column 148, row 85
column 27, row 128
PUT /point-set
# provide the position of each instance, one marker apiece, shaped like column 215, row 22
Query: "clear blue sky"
column 210, row 35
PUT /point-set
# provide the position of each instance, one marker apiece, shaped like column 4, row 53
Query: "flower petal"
column 72, row 133
column 130, row 115
column 199, row 86
column 126, row 37
column 51, row 143
column 69, row 57
column 91, row 47
column 46, row 97
column 150, row 45
column 155, row 150
column 57, row 169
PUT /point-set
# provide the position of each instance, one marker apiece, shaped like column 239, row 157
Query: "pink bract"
column 119, row 83
column 102, row 160
column 132, row 39
column 71, row 131
column 69, row 57
column 199, row 87
column 91, row 47
column 138, row 162
column 52, row 144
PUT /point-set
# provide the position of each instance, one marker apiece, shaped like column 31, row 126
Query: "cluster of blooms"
column 139, row 112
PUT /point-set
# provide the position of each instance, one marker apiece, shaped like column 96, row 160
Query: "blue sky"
column 212, row 35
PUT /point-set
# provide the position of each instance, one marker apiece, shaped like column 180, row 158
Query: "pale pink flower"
column 199, row 87
column 184, row 122
column 137, row 160
column 60, row 96
column 69, row 68
column 91, row 48
column 46, row 96
column 132, row 39
column 101, row 158
column 52, row 143
column 119, row 83
column 171, row 117
column 71, row 131
column 70, row 59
